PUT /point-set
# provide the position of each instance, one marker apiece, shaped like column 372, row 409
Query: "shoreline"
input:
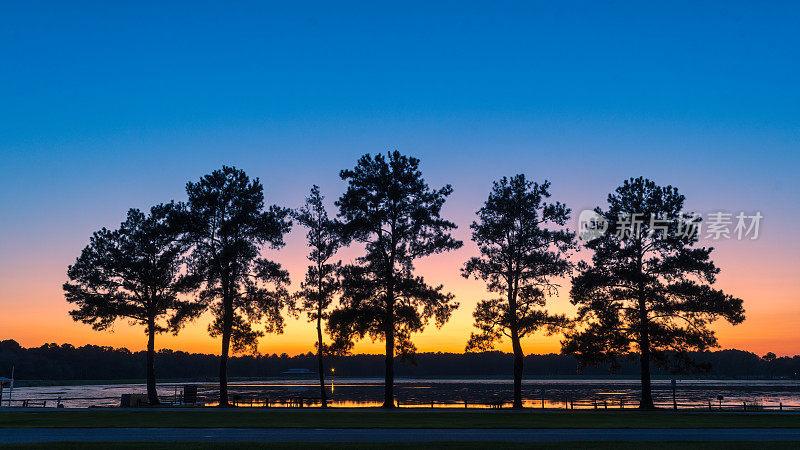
column 454, row 379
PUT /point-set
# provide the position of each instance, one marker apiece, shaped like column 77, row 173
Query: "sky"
column 106, row 106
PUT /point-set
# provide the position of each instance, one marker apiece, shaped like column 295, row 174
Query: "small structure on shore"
column 6, row 383
column 298, row 372
column 189, row 396
column 133, row 401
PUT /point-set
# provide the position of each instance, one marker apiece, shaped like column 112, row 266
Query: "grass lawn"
column 415, row 445
column 377, row 418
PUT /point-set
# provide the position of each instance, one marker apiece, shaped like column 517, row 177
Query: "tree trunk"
column 223, row 369
column 323, row 396
column 227, row 325
column 644, row 360
column 388, row 382
column 515, row 340
column 646, row 401
column 518, row 361
column 152, row 394
column 388, row 393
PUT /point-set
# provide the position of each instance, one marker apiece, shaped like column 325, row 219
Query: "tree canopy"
column 135, row 273
column 228, row 226
column 321, row 284
column 391, row 210
column 648, row 289
column 523, row 246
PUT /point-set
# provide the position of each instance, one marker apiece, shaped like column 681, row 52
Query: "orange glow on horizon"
column 35, row 313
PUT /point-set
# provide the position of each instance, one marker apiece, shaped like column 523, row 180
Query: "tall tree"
column 322, row 281
column 228, row 227
column 524, row 247
column 648, row 290
column 134, row 273
column 391, row 210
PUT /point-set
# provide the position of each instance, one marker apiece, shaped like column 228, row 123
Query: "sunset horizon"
column 762, row 332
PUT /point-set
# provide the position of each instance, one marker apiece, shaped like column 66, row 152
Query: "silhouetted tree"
column 389, row 207
column 322, row 282
column 648, row 289
column 134, row 273
column 523, row 248
column 228, row 227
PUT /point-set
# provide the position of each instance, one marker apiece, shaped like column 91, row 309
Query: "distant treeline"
column 91, row 362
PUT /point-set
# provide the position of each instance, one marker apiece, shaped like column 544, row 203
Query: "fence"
column 598, row 404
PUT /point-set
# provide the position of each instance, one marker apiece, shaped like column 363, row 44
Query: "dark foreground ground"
column 378, row 418
column 679, row 445
column 393, row 435
column 375, row 428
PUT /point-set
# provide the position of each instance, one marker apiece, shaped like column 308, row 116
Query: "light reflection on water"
column 365, row 392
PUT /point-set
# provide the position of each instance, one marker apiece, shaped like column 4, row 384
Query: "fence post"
column 674, row 401
column 595, row 403
column 780, row 405
column 709, row 405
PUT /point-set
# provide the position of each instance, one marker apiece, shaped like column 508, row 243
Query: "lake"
column 348, row 392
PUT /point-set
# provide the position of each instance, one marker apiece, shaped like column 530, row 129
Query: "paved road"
column 28, row 435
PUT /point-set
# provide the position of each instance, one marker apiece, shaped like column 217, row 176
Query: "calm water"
column 450, row 392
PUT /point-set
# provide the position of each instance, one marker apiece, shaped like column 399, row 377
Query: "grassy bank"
column 412, row 445
column 376, row 418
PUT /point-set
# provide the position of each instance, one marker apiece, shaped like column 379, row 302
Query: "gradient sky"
column 106, row 106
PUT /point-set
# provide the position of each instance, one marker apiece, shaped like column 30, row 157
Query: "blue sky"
column 111, row 105
column 91, row 88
